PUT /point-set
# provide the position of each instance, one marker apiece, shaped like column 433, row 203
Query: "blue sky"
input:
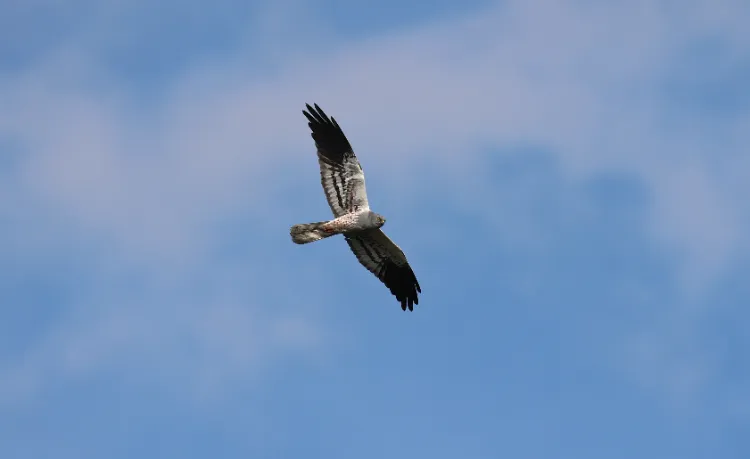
column 568, row 179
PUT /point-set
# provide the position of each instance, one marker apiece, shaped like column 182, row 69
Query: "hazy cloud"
column 149, row 180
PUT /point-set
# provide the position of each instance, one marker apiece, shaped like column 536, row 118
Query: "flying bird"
column 344, row 186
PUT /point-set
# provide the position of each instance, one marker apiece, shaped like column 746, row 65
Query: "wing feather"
column 340, row 172
column 382, row 257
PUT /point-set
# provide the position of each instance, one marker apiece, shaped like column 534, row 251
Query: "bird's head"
column 379, row 219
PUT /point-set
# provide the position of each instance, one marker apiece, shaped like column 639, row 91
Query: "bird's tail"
column 309, row 232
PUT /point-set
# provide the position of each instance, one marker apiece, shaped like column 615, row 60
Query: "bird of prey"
column 344, row 186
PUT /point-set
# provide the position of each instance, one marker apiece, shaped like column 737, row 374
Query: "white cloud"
column 580, row 80
column 198, row 349
column 552, row 74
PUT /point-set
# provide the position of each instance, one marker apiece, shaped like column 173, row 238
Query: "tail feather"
column 308, row 232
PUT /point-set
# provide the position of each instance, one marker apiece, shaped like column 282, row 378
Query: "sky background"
column 569, row 180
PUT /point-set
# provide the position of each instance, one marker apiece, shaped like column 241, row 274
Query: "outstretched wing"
column 340, row 173
column 387, row 261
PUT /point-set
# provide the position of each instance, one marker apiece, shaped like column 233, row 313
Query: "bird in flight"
column 344, row 186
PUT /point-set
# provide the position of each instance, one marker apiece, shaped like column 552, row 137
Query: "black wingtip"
column 311, row 114
column 316, row 113
column 327, row 134
column 402, row 283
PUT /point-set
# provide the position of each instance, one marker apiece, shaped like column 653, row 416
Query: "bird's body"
column 351, row 223
column 344, row 185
